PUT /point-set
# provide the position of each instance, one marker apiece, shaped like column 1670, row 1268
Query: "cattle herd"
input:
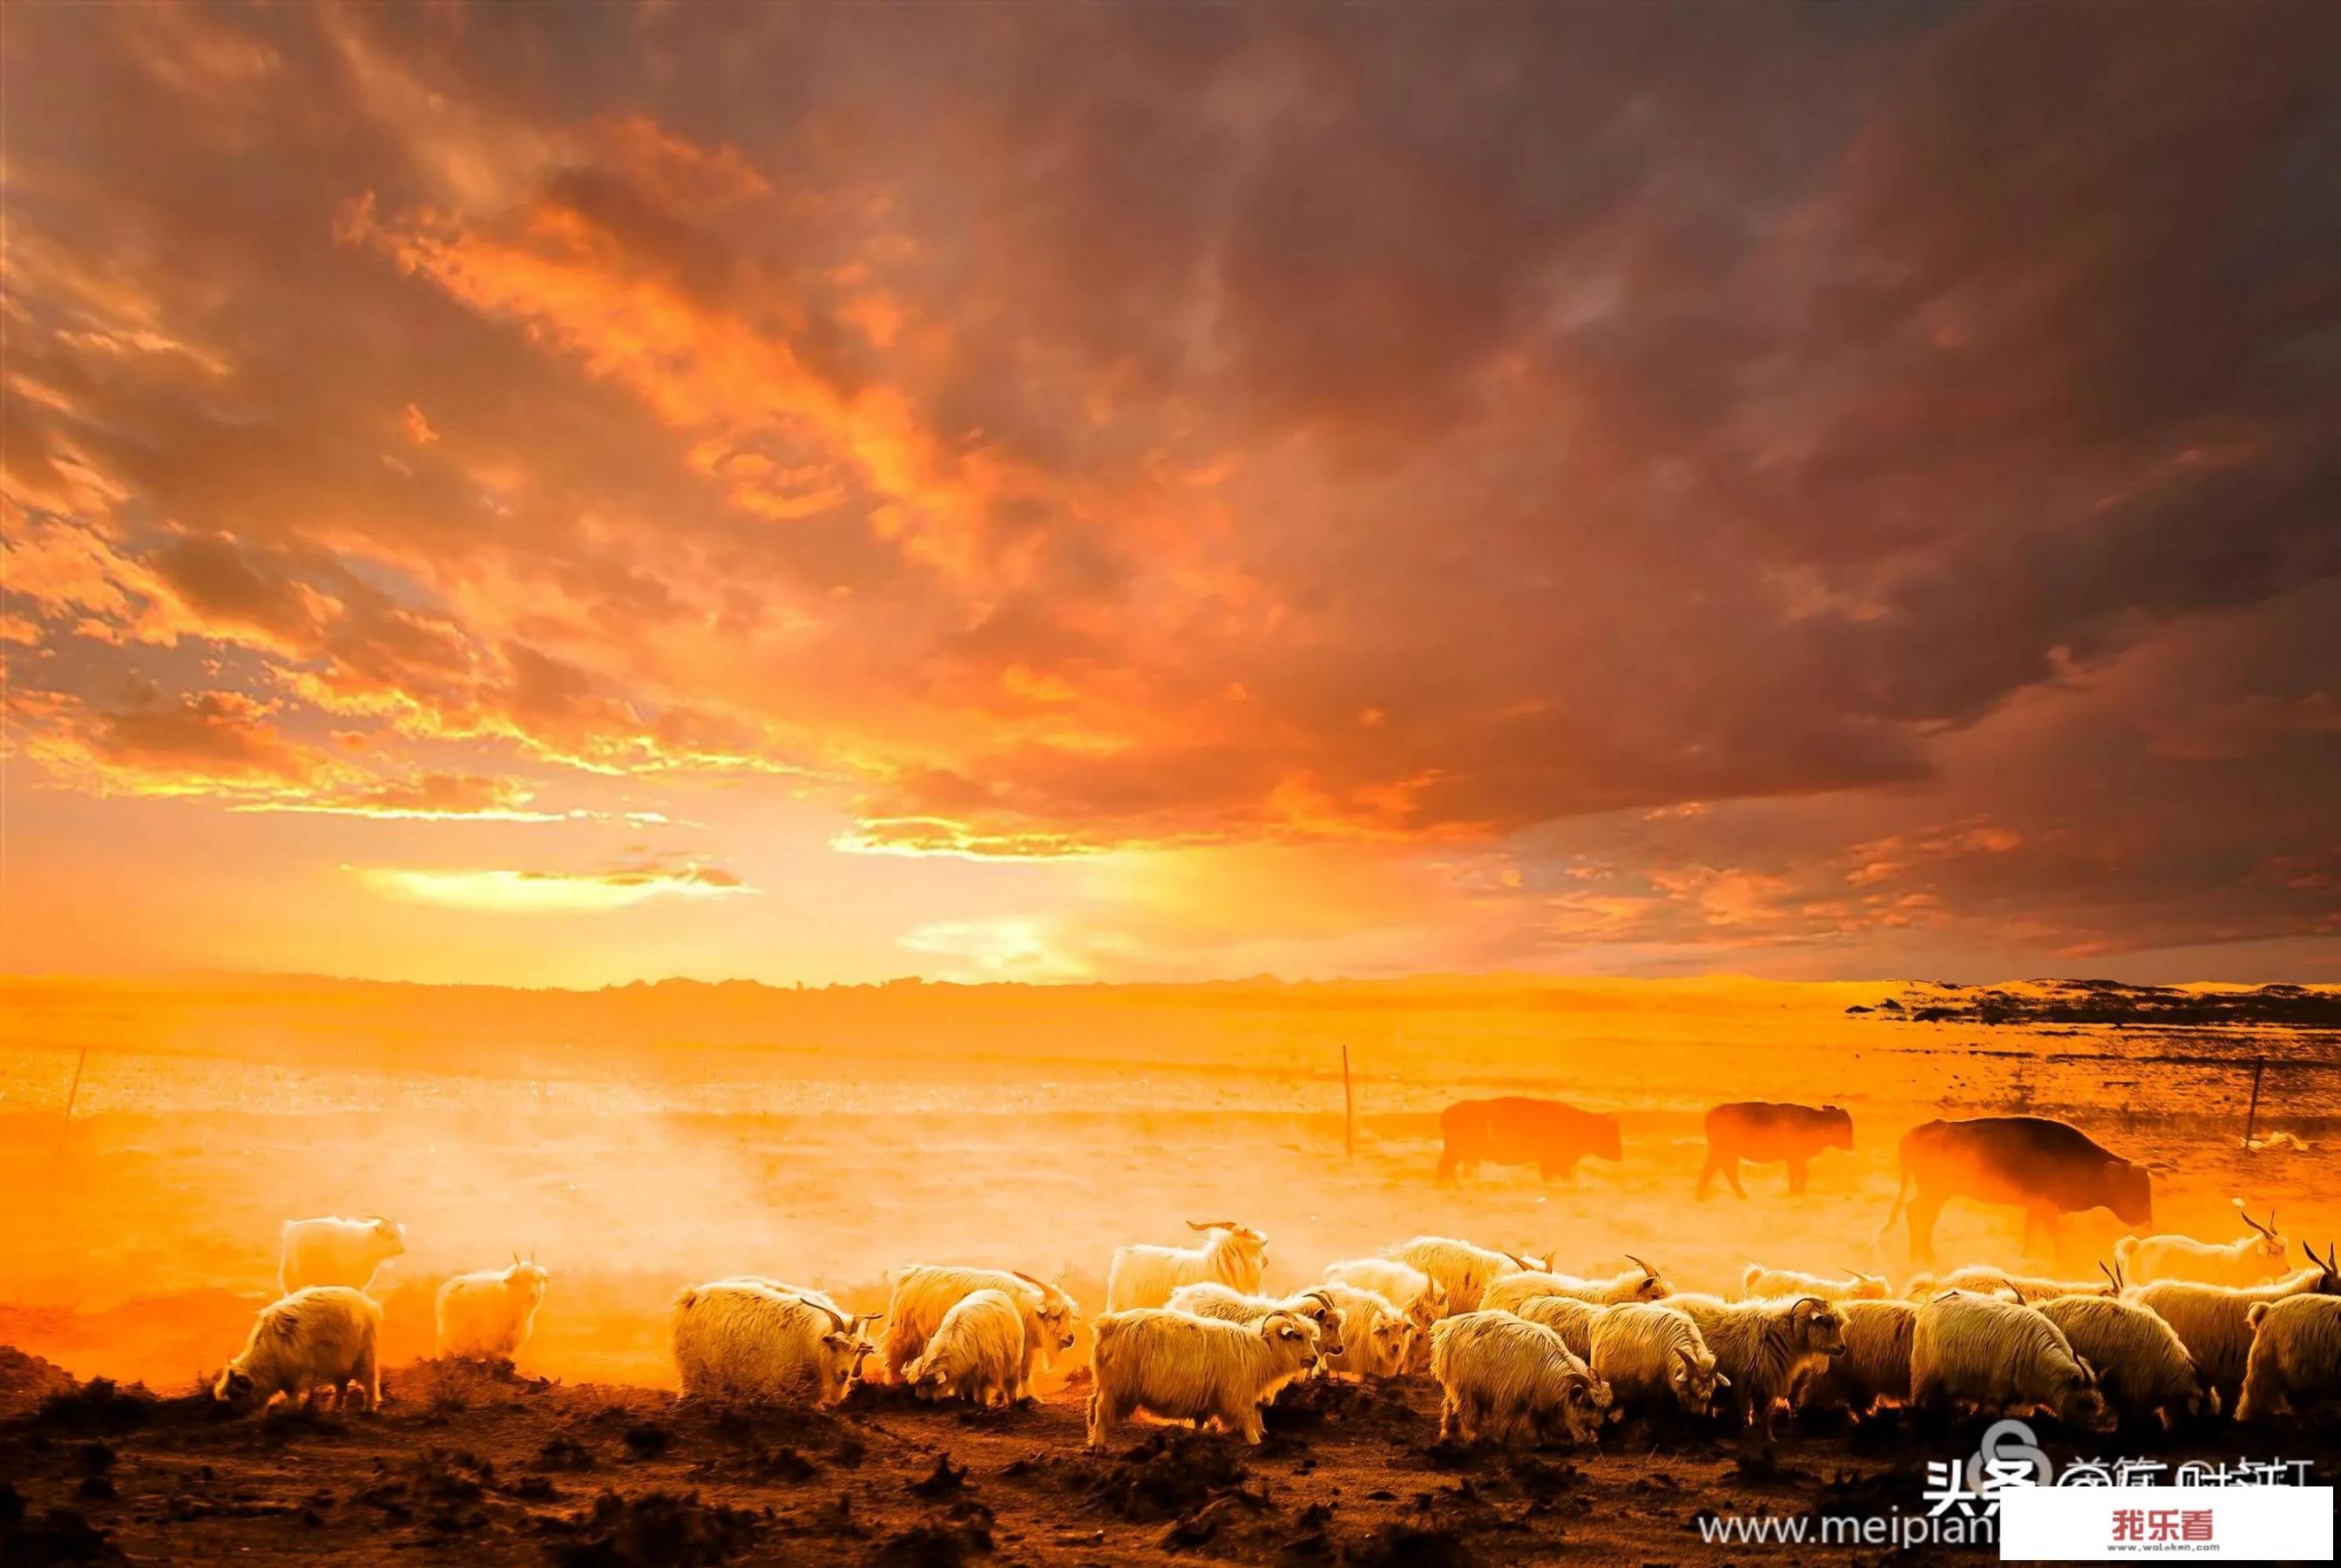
column 2176, row 1330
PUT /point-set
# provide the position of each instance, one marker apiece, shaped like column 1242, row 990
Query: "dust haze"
column 641, row 1138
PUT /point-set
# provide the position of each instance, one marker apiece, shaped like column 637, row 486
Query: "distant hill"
column 2117, row 1003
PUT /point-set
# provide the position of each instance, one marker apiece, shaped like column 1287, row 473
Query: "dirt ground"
column 471, row 1467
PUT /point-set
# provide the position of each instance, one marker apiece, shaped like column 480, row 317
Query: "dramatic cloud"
column 1831, row 489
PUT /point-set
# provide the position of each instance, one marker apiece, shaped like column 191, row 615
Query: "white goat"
column 1376, row 1336
column 2214, row 1321
column 1422, row 1298
column 1994, row 1354
column 1769, row 1349
column 1315, row 1303
column 1567, row 1316
column 976, row 1353
column 324, row 1336
column 489, row 1315
column 738, row 1340
column 1144, row 1275
column 1461, row 1269
column 336, row 1252
column 1190, row 1368
column 2142, row 1367
column 1983, row 1279
column 1653, row 1359
column 1761, row 1284
column 2296, row 1359
column 1505, row 1378
column 1875, row 1364
column 2253, row 1259
column 923, row 1293
column 1640, row 1283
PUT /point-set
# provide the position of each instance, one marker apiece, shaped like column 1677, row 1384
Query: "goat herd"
column 2178, row 1330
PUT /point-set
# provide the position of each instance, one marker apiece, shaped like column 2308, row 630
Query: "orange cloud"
column 919, row 835
column 1700, row 545
column 551, row 892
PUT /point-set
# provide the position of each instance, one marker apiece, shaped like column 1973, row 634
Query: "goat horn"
column 1645, row 1267
column 1517, row 1261
column 1027, row 1278
column 1213, row 1225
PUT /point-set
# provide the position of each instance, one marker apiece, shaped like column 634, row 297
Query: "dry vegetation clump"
column 1171, row 1473
column 656, row 1530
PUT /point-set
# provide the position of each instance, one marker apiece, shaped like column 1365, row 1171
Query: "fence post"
column 1348, row 1109
column 2259, row 1065
column 72, row 1095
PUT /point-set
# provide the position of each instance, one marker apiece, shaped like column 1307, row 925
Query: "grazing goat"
column 1653, row 1359
column 2143, row 1369
column 1761, row 1284
column 1876, row 1366
column 738, row 1340
column 1507, row 1379
column 336, row 1252
column 2214, row 1321
column 923, row 1293
column 1982, row 1279
column 324, row 1336
column 1422, row 1298
column 1315, row 1303
column 1144, row 1275
column 1190, row 1368
column 489, row 1315
column 1640, row 1283
column 1376, row 1338
column 2253, row 1259
column 976, row 1353
column 1462, row 1270
column 2295, row 1358
column 1994, row 1354
column 1769, row 1349
column 1567, row 1316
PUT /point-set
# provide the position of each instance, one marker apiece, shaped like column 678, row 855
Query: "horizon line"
column 160, row 977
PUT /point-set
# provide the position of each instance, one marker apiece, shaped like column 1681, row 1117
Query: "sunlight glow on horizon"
column 1359, row 513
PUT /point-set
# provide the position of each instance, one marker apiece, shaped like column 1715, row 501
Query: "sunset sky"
column 565, row 495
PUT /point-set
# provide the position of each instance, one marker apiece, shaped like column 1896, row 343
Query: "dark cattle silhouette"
column 2045, row 1167
column 1514, row 1130
column 1764, row 1132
